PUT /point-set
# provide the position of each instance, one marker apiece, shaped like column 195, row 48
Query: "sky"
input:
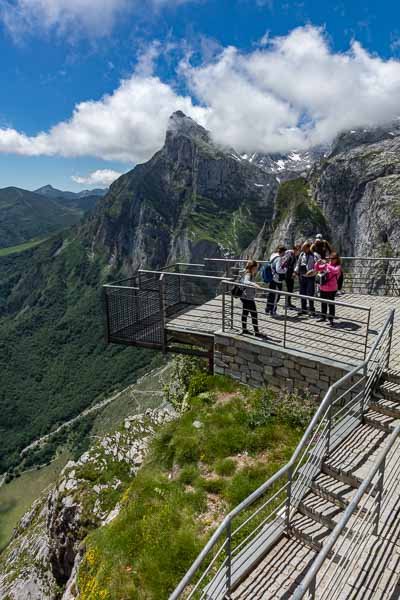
column 87, row 86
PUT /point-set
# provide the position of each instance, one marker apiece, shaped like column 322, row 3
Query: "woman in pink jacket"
column 328, row 289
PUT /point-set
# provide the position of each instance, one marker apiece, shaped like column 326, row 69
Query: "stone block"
column 219, row 370
column 268, row 371
column 308, row 373
column 282, row 372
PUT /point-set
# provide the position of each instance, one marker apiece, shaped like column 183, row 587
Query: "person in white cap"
column 321, row 247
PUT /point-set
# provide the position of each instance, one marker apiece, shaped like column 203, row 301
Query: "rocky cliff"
column 192, row 199
column 351, row 196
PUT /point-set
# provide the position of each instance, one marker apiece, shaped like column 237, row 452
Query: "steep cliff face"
column 191, row 199
column 351, row 196
column 358, row 192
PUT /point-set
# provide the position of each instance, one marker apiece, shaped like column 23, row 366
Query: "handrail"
column 198, row 276
column 293, row 295
column 333, row 537
column 285, row 469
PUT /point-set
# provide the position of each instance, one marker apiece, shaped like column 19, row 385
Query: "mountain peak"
column 181, row 124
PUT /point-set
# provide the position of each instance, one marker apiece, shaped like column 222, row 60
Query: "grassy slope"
column 294, row 199
column 17, row 496
column 192, row 477
column 21, row 247
column 53, row 358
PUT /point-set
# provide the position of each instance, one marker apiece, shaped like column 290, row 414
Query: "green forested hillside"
column 25, row 215
column 53, row 358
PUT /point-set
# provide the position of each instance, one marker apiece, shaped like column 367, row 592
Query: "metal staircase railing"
column 337, row 564
column 250, row 529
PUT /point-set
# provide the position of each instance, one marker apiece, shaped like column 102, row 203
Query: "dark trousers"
column 290, row 287
column 273, row 299
column 249, row 307
column 324, row 306
column 307, row 288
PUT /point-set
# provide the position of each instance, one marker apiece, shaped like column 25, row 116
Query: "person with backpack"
column 305, row 269
column 329, row 276
column 291, row 260
column 248, row 297
column 322, row 247
column 278, row 262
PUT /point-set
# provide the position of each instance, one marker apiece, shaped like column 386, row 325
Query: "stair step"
column 334, row 490
column 392, row 375
column 379, row 420
column 387, row 407
column 279, row 573
column 308, row 531
column 320, row 509
column 343, row 476
column 390, row 390
column 351, row 461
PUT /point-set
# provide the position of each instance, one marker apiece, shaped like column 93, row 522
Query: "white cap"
column 318, row 236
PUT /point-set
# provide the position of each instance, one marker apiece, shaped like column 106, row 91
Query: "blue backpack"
column 267, row 274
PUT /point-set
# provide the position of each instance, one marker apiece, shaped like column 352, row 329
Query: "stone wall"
column 257, row 363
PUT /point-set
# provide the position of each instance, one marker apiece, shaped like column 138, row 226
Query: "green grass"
column 21, row 247
column 17, row 496
column 241, row 442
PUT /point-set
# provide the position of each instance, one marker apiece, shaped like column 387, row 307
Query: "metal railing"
column 292, row 328
column 337, row 567
column 249, row 530
column 374, row 276
column 139, row 308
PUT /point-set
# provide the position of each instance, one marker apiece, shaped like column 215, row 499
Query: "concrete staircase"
column 283, row 568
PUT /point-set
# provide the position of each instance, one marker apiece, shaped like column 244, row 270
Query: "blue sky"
column 175, row 51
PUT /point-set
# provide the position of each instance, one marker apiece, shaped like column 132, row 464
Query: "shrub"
column 247, row 481
column 213, row 486
column 189, row 474
column 226, row 466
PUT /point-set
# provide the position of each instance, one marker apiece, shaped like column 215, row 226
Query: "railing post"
column 367, row 334
column 163, row 314
column 312, row 587
column 223, row 304
column 232, row 307
column 228, row 559
column 107, row 309
column 329, row 431
column 390, row 340
column 289, row 497
column 285, row 325
column 363, row 397
column 379, row 495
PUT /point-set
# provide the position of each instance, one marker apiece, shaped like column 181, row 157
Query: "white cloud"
column 89, row 17
column 103, row 177
column 293, row 93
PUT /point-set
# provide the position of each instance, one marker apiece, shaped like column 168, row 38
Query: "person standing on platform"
column 291, row 260
column 305, row 269
column 248, row 297
column 330, row 274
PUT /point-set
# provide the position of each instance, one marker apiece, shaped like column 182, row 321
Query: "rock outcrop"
column 45, row 550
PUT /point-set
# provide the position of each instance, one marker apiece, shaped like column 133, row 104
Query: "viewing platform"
column 181, row 307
